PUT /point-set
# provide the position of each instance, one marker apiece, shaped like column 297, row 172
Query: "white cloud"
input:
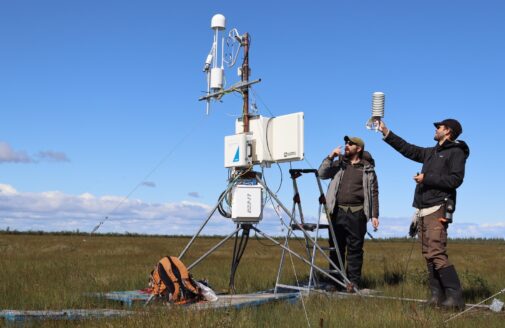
column 7, row 190
column 57, row 211
column 54, row 211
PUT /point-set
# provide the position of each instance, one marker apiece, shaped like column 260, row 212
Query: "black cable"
column 237, row 255
column 232, row 271
column 280, row 183
column 270, row 153
column 242, row 250
column 220, row 208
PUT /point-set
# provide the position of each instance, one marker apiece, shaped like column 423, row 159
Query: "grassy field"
column 53, row 272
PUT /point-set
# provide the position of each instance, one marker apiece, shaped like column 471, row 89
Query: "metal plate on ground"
column 223, row 301
column 244, row 300
column 69, row 314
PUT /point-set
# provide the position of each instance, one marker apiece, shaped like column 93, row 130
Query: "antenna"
column 215, row 74
column 214, row 65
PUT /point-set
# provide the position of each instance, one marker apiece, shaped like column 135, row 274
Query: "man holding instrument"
column 435, row 199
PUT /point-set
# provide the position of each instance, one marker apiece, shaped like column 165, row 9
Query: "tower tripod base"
column 246, row 228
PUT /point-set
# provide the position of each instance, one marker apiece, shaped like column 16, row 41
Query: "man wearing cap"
column 435, row 199
column 352, row 199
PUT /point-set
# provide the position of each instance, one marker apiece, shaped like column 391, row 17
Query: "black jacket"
column 443, row 168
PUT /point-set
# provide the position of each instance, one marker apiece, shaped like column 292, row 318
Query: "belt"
column 352, row 208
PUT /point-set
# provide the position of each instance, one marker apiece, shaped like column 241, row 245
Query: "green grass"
column 55, row 271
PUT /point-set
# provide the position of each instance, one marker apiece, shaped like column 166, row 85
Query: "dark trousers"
column 350, row 230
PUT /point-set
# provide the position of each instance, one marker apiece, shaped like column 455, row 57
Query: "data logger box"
column 238, row 150
column 277, row 139
column 247, row 203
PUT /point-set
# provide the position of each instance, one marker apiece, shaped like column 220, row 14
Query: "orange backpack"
column 171, row 281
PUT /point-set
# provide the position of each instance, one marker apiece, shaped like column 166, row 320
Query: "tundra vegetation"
column 58, row 271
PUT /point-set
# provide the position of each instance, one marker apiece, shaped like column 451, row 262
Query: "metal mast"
column 245, row 80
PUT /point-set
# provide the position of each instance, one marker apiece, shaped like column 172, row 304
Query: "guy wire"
column 151, row 172
column 298, row 239
column 267, row 198
column 474, row 305
column 300, row 292
column 384, row 260
column 258, row 96
column 407, row 265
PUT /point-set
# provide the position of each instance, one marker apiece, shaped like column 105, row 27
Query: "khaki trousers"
column 433, row 236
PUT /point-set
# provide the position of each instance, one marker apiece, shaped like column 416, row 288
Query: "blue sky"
column 99, row 101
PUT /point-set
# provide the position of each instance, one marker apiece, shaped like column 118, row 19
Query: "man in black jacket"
column 442, row 173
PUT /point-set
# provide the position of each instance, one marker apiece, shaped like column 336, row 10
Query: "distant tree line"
column 8, row 231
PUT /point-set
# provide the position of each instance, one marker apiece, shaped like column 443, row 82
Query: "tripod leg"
column 206, row 221
column 213, row 249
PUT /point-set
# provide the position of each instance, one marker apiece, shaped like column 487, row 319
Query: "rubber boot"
column 452, row 288
column 437, row 293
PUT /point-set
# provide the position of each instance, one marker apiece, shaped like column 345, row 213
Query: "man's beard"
column 349, row 154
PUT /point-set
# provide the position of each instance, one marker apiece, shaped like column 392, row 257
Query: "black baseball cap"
column 452, row 124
